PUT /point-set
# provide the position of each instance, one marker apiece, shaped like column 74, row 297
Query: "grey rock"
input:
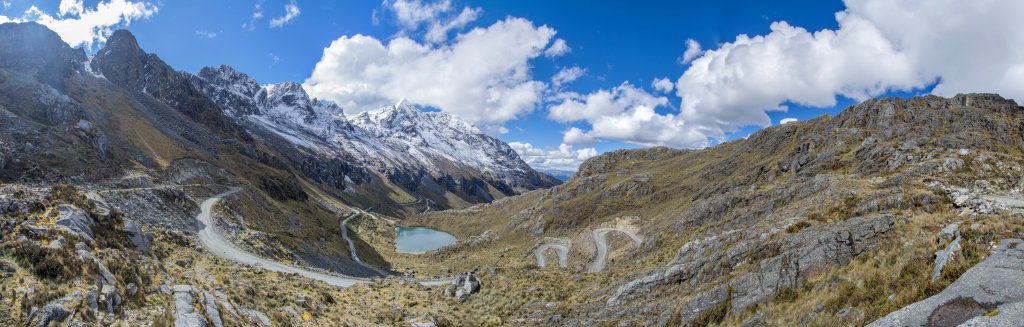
column 184, row 312
column 75, row 220
column 166, row 290
column 52, row 312
column 140, row 239
column 256, row 317
column 211, row 310
column 993, row 283
column 92, row 300
column 951, row 231
column 1010, row 314
column 110, row 298
column 463, row 286
column 942, row 257
column 108, row 277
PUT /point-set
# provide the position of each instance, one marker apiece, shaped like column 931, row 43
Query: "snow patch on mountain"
column 398, row 137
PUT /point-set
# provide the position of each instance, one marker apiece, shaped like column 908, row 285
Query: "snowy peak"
column 405, row 117
column 231, row 79
column 289, row 94
column 282, row 106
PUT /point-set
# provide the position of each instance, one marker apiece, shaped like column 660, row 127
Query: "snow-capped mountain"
column 427, row 154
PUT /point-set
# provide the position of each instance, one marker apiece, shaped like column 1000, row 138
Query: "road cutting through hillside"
column 600, row 243
column 561, row 250
column 221, row 247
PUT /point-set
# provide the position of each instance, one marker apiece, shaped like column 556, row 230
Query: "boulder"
column 75, row 220
column 463, row 286
column 994, row 284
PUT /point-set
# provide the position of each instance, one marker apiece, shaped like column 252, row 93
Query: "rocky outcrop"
column 463, row 286
column 812, row 250
column 185, row 314
column 75, row 220
column 987, row 294
column 53, row 312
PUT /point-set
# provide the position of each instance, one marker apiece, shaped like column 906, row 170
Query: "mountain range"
column 135, row 194
column 397, row 154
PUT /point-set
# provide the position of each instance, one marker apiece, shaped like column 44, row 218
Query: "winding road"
column 352, row 246
column 561, row 249
column 601, row 241
column 600, row 237
column 221, row 247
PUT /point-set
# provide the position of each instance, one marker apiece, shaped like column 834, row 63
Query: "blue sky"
column 743, row 84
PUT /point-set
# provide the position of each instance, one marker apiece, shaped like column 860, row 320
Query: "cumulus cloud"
column 567, row 75
column 576, row 136
column 663, row 85
column 483, row 76
column 80, row 26
column 291, row 12
column 565, row 157
column 70, row 7
column 788, row 120
column 558, row 48
column 692, row 51
column 624, row 113
column 879, row 46
column 438, row 18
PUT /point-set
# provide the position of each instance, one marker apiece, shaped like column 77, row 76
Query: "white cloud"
column 483, row 76
column 291, row 12
column 567, row 75
column 879, row 46
column 692, row 51
column 438, row 31
column 437, row 17
column 565, row 157
column 603, row 103
column 80, row 26
column 70, row 7
column 558, row 48
column 208, row 35
column 7, row 5
column 788, row 120
column 576, row 136
column 624, row 113
column 663, row 85
column 257, row 14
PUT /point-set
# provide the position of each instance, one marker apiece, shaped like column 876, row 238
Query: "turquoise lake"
column 418, row 240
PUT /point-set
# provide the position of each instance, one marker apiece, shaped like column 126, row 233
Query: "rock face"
column 994, row 284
